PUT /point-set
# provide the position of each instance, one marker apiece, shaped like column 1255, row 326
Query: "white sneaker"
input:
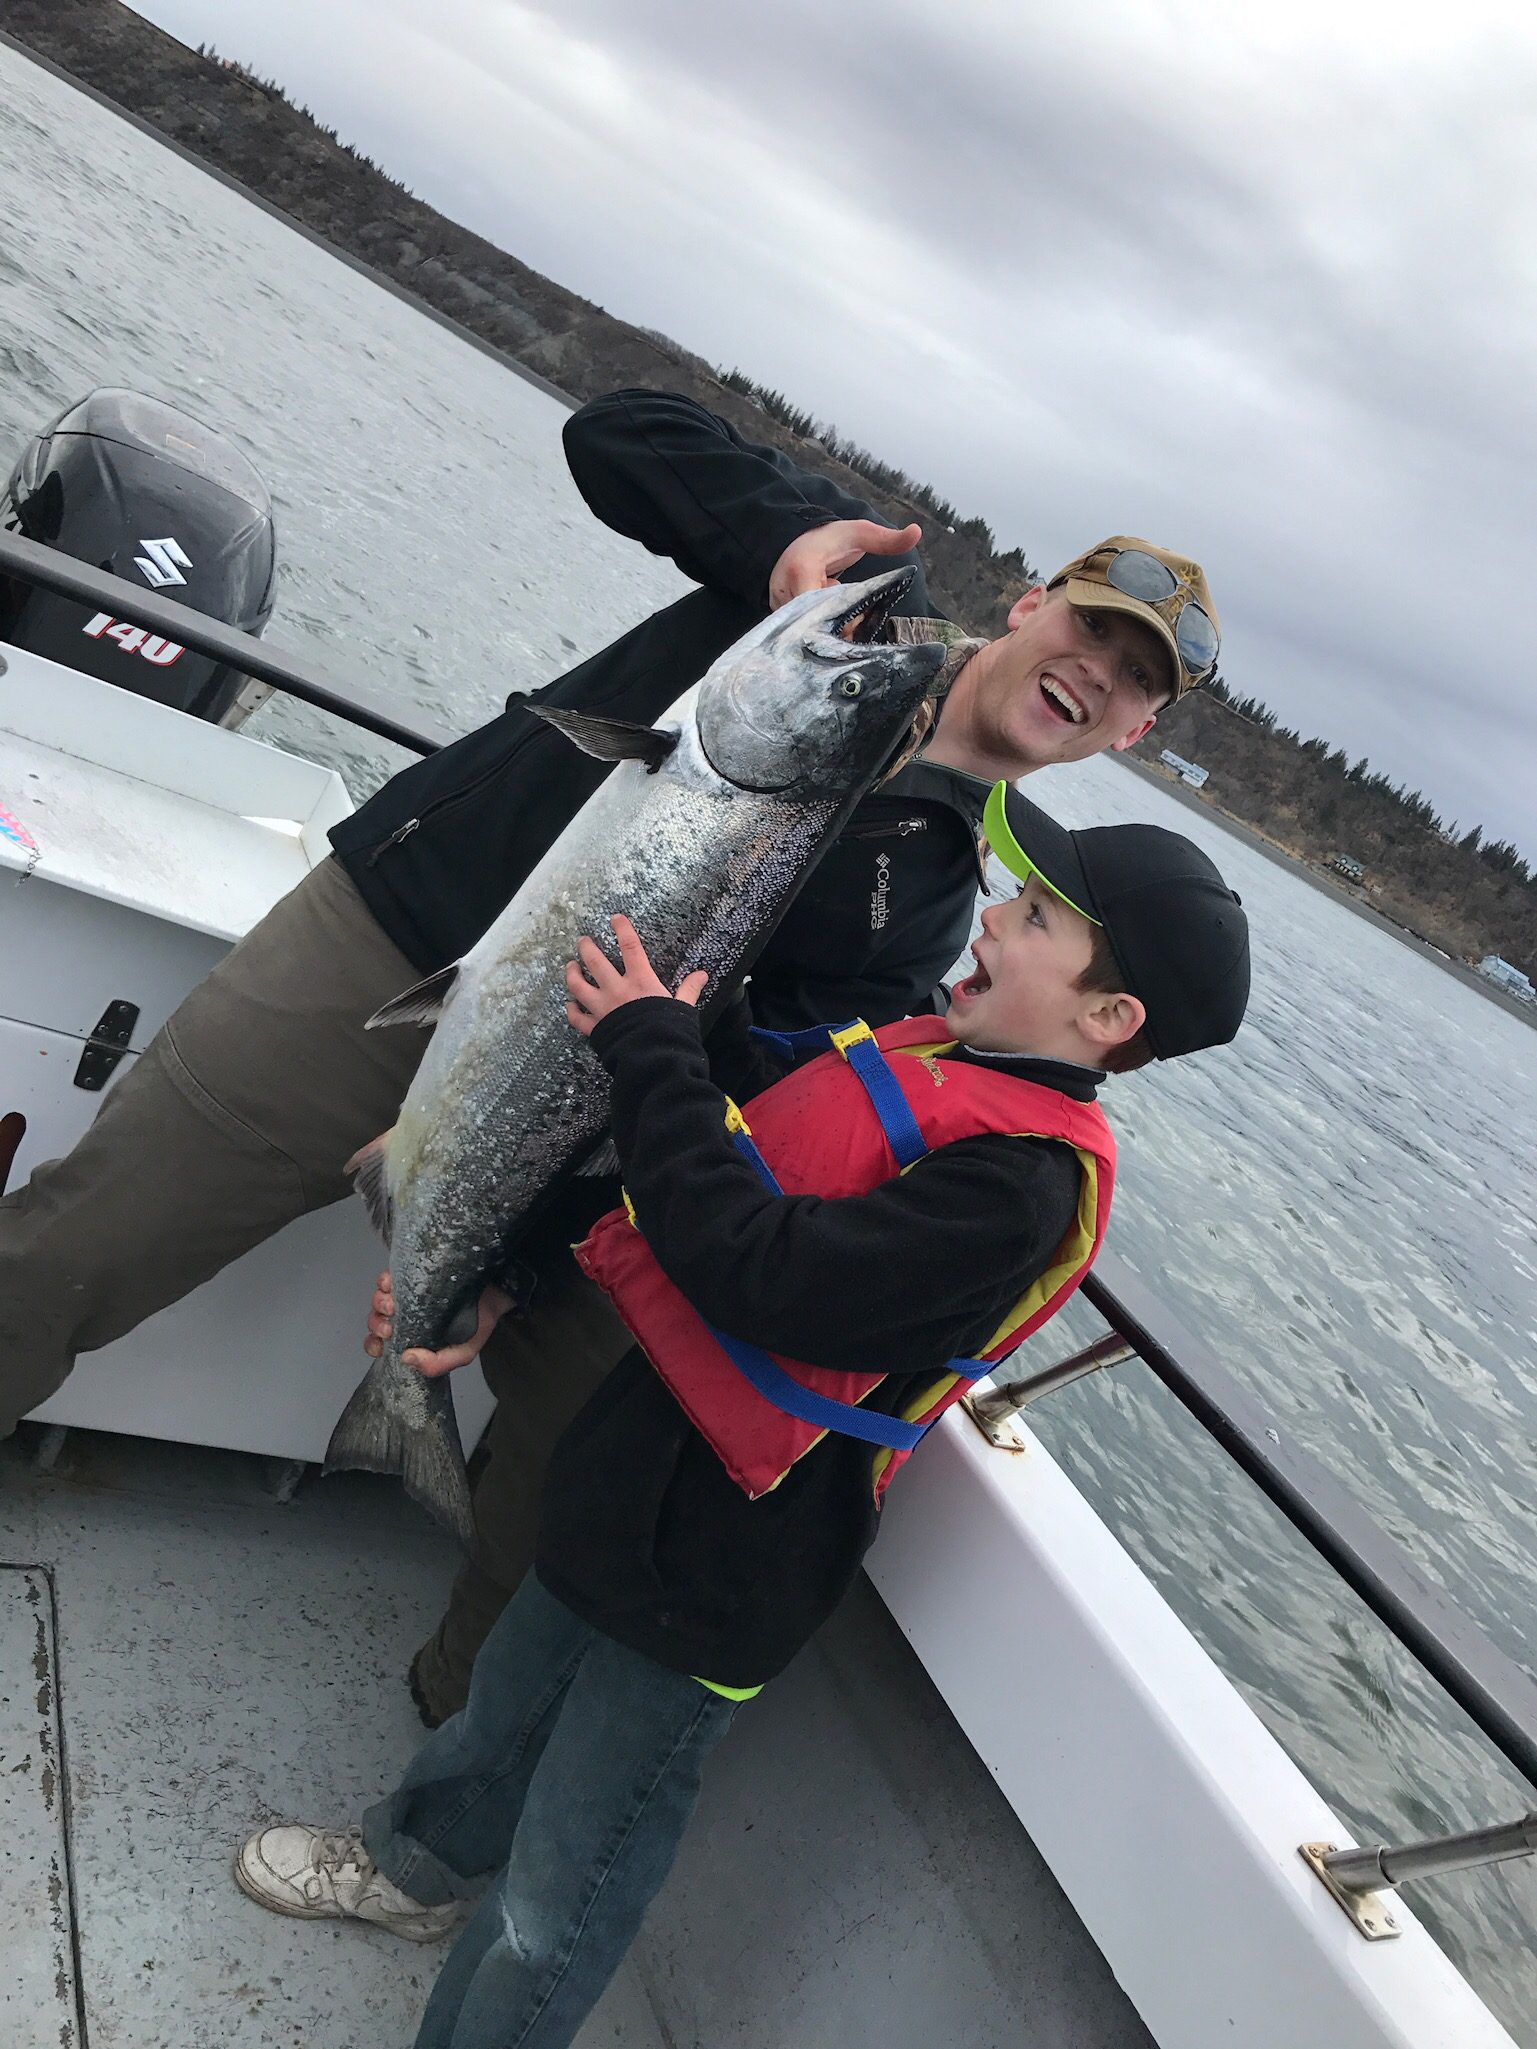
column 327, row 1875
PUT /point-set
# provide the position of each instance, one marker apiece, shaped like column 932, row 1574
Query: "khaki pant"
column 237, row 1118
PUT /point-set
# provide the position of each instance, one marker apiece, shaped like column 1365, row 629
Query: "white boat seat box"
column 136, row 845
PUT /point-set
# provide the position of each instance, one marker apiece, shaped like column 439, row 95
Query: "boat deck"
column 183, row 1657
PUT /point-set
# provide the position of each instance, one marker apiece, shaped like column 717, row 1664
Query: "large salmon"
column 702, row 836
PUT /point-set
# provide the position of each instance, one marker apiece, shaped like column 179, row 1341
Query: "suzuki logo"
column 162, row 562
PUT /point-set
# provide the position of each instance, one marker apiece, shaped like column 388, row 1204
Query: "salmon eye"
column 851, row 686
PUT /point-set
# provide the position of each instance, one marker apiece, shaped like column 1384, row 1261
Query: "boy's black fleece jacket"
column 642, row 1532
column 439, row 851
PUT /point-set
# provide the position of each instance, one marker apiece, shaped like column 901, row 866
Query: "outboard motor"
column 134, row 486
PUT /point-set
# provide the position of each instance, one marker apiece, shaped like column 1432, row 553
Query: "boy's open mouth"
column 1062, row 702
column 977, row 983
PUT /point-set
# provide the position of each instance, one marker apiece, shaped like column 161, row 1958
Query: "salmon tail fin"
column 368, row 1168
column 421, row 1004
column 372, row 1436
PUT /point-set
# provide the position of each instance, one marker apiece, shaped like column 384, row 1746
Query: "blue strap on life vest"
column 824, row 1410
column 755, row 1159
column 848, row 1419
column 885, row 1092
column 791, row 1043
column 856, row 1043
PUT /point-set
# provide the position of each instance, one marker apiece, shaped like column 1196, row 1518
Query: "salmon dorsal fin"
column 609, row 739
column 421, row 1004
column 367, row 1168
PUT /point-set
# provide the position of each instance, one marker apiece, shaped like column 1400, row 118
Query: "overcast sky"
column 1260, row 284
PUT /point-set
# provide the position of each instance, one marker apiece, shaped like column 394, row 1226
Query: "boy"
column 712, row 1503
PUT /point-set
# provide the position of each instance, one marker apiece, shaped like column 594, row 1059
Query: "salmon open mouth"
column 863, row 623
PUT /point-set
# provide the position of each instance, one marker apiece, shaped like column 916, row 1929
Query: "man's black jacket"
column 440, row 850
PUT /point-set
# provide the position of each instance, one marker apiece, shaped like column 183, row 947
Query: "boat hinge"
column 106, row 1043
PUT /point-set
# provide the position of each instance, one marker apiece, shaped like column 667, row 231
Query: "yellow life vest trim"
column 629, row 1207
column 735, row 1121
column 1070, row 1256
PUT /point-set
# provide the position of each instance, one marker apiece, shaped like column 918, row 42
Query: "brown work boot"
column 435, row 1690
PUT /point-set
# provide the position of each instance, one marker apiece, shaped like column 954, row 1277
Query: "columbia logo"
column 162, row 562
column 880, row 896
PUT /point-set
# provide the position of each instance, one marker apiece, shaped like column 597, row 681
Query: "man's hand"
column 814, row 559
column 597, row 986
column 494, row 1305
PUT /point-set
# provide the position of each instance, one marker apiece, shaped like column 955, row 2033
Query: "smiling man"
column 1085, row 666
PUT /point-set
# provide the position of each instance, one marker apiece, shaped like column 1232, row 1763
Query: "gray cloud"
column 1259, row 287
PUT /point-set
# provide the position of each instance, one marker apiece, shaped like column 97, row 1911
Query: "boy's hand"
column 494, row 1305
column 815, row 558
column 597, row 986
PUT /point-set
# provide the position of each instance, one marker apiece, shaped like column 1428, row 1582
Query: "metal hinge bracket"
column 106, row 1043
column 1367, row 1909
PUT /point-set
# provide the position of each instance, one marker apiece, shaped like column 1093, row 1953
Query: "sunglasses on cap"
column 1136, row 574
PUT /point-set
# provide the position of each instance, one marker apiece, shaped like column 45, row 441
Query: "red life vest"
column 818, row 1132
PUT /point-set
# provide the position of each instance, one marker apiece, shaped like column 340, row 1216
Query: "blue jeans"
column 573, row 1770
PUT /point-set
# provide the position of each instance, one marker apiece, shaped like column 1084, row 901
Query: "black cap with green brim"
column 1178, row 933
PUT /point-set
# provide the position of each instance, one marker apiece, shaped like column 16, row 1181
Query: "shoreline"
column 376, row 275
column 598, row 342
column 1306, row 872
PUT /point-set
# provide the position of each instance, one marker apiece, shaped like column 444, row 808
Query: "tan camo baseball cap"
column 1193, row 642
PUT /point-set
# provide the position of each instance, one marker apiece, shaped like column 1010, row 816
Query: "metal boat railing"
column 31, row 562
column 1496, row 1694
column 1491, row 1688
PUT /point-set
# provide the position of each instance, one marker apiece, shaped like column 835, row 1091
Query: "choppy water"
column 1343, row 1205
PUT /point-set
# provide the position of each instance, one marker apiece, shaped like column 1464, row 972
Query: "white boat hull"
column 159, row 841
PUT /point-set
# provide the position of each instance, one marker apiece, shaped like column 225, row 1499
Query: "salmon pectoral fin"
column 368, row 1170
column 462, row 1325
column 609, row 739
column 372, row 1436
column 421, row 1004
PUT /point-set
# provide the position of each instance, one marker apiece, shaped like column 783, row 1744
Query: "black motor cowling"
column 135, row 486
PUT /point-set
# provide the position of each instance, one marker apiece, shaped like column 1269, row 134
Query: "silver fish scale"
column 518, row 1097
column 508, row 1098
